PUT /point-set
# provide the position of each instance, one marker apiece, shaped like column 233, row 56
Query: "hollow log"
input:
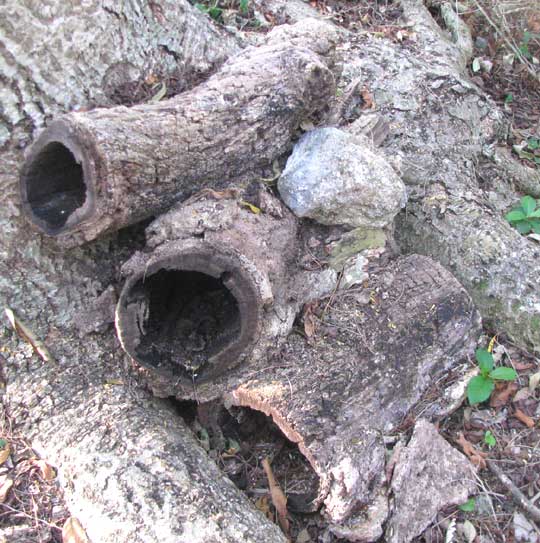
column 338, row 392
column 216, row 285
column 92, row 172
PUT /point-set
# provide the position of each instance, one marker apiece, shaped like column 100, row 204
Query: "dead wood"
column 97, row 171
column 336, row 395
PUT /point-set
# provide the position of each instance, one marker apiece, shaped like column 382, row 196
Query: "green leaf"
column 533, row 144
column 3, row 443
column 528, row 203
column 202, row 7
column 536, row 228
column 504, row 374
column 468, row 506
column 515, row 215
column 535, row 213
column 244, row 4
column 509, row 98
column 215, row 13
column 489, row 439
column 485, row 360
column 479, row 389
column 523, row 227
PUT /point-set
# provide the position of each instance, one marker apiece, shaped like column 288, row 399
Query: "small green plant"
column 489, row 439
column 526, row 217
column 524, row 45
column 480, row 387
column 468, row 506
column 213, row 10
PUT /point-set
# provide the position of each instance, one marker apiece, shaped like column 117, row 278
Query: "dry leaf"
column 111, row 382
column 520, row 366
column 525, row 419
column 521, row 394
column 303, row 536
column 73, row 532
column 503, row 393
column 534, row 381
column 4, row 489
column 278, row 497
column 253, row 208
column 469, row 531
column 45, row 470
column 478, row 458
column 263, row 506
column 369, row 103
column 4, row 453
column 27, row 335
column 309, row 319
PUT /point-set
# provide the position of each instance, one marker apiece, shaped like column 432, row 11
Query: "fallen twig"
column 518, row 496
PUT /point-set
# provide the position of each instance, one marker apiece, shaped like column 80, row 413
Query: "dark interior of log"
column 55, row 185
column 190, row 316
column 221, row 430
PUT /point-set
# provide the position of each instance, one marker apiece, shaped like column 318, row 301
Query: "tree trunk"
column 440, row 127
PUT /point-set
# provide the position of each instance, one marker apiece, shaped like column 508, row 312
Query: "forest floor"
column 504, row 431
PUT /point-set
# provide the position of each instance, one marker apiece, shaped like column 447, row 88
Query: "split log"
column 367, row 364
column 97, row 171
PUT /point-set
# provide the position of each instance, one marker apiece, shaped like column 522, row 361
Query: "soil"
column 241, row 438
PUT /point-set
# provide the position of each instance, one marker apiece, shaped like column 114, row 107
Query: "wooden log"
column 216, row 285
column 339, row 391
column 92, row 172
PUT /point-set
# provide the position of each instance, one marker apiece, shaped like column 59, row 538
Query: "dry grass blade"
column 278, row 497
column 73, row 532
column 27, row 335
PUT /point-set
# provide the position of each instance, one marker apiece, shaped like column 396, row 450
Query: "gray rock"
column 429, row 476
column 335, row 179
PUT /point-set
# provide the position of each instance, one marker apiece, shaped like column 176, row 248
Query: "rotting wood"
column 92, row 172
column 217, row 285
column 364, row 376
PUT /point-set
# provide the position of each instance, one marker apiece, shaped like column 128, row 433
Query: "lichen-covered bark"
column 440, row 127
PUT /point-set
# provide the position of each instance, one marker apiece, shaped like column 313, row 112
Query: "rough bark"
column 439, row 126
column 339, row 392
column 130, row 469
column 92, row 172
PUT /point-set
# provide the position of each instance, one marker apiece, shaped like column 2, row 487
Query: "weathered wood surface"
column 129, row 467
column 217, row 284
column 365, row 366
column 96, row 171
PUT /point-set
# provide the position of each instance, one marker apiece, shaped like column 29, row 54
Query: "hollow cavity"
column 184, row 319
column 54, row 185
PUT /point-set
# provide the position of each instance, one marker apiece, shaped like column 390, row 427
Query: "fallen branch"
column 518, row 496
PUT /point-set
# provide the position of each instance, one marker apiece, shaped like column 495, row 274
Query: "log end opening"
column 54, row 185
column 190, row 319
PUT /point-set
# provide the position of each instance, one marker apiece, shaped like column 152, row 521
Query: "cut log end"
column 190, row 316
column 57, row 181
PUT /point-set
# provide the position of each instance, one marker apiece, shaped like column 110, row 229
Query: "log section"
column 92, row 172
